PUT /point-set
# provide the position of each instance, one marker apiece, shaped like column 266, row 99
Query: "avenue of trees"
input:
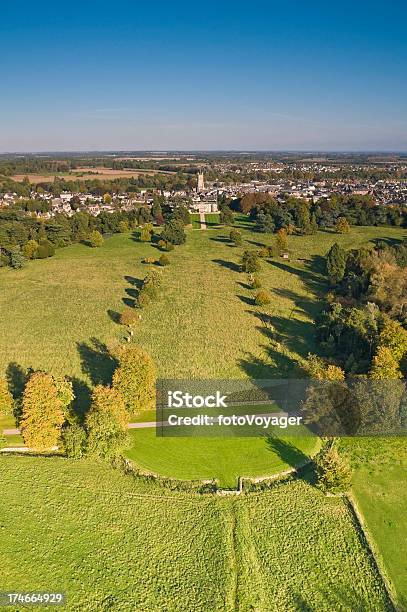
column 47, row 416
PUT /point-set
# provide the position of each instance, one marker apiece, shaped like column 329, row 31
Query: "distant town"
column 198, row 181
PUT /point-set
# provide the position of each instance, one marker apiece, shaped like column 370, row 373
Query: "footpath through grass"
column 111, row 542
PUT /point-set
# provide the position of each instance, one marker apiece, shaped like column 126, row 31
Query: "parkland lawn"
column 60, row 314
column 223, row 459
column 112, row 542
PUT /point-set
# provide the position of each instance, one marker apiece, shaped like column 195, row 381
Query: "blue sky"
column 212, row 75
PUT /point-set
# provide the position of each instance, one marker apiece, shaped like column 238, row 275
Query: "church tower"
column 201, row 183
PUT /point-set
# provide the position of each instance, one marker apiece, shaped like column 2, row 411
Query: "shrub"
column 169, row 246
column 162, row 244
column 135, row 379
column 45, row 249
column 6, row 399
column 95, row 239
column 74, row 441
column 282, row 244
column 262, row 298
column 43, row 415
column 342, row 225
column 30, row 249
column 152, row 283
column 146, row 234
column 254, row 281
column 333, row 472
column 123, row 227
column 143, row 299
column 164, row 260
column 236, row 237
column 106, row 423
column 226, row 216
column 129, row 317
column 149, row 260
column 17, row 259
column 250, row 262
column 263, row 252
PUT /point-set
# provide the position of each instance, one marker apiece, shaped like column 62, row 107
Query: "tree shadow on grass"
column 135, row 282
column 256, row 243
column 222, row 239
column 114, row 316
column 96, row 361
column 287, row 452
column 82, row 401
column 17, row 377
column 244, row 285
column 312, row 278
column 230, row 265
column 283, row 366
column 246, row 300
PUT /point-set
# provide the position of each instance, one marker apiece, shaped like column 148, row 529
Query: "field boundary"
column 369, row 544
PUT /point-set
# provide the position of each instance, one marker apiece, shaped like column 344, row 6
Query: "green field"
column 60, row 314
column 222, row 458
column 114, row 543
column 380, row 491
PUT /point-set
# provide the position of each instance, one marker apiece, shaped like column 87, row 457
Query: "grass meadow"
column 113, row 542
column 224, row 459
column 60, row 314
column 379, row 487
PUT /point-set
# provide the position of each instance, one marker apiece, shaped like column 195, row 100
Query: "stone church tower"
column 201, row 183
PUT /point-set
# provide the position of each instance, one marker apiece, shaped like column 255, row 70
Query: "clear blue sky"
column 203, row 75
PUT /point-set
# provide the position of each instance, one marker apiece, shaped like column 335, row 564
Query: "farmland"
column 112, row 542
column 85, row 173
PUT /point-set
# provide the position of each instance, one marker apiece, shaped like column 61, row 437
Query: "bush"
column 17, row 259
column 264, row 252
column 146, row 233
column 129, row 317
column 250, row 262
column 123, row 227
column 95, row 239
column 342, row 225
column 149, row 260
column 143, row 299
column 30, row 249
column 169, row 246
column 333, row 472
column 152, row 283
column 45, row 249
column 164, row 260
column 262, row 298
column 162, row 244
column 236, row 237
column 226, row 216
column 74, row 441
column 254, row 281
column 135, row 379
